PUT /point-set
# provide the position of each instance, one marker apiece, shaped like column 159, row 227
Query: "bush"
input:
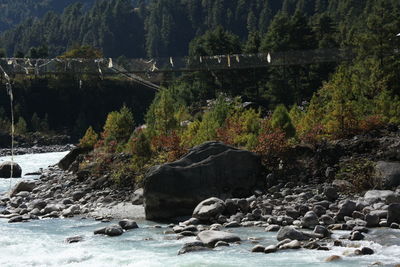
column 281, row 120
column 89, row 139
column 21, row 127
column 118, row 127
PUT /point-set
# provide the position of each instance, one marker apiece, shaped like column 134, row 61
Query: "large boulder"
column 388, row 173
column 208, row 209
column 5, row 170
column 210, row 237
column 66, row 162
column 289, row 232
column 212, row 169
column 26, row 186
column 393, row 215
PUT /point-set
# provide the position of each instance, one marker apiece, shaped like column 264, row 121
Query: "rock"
column 319, row 229
column 16, row 219
column 221, row 244
column 331, row 193
column 23, row 186
column 289, row 232
column 294, row 244
column 394, row 226
column 192, row 247
column 310, row 220
column 272, row 228
column 319, row 210
column 346, row 209
column 392, row 198
column 243, row 205
column 210, row 238
column 373, row 196
column 343, row 185
column 326, row 220
column 100, row 231
column 258, row 249
column 5, row 170
column 66, row 162
column 71, row 211
column 73, row 239
column 372, row 220
column 367, row 251
column 271, row 249
column 137, row 198
column 393, row 214
column 128, row 224
column 230, row 207
column 388, row 173
column 232, row 225
column 333, row 258
column 77, row 195
column 209, row 209
column 209, row 170
column 355, row 236
column 114, row 230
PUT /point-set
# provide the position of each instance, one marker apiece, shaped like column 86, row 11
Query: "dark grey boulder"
column 372, row 220
column 388, row 173
column 100, row 231
column 5, row 170
column 77, row 195
column 114, row 230
column 258, row 249
column 210, row 237
column 393, row 215
column 209, row 170
column 209, row 209
column 331, row 193
column 66, row 162
column 73, row 239
column 346, row 209
column 23, row 186
column 310, row 220
column 319, row 229
column 193, row 247
column 289, row 232
column 128, row 224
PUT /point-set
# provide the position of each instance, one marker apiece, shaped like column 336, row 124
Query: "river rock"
column 333, row 258
column 388, row 173
column 289, row 232
column 310, row 220
column 272, row 228
column 331, row 193
column 209, row 209
column 66, row 162
column 319, row 229
column 209, row 170
column 114, row 230
column 294, row 244
column 367, row 251
column 210, row 237
column 372, row 220
column 346, row 209
column 23, row 186
column 393, row 215
column 193, row 247
column 73, row 239
column 373, row 196
column 355, row 236
column 271, row 249
column 137, row 197
column 5, row 170
column 128, row 224
column 258, row 249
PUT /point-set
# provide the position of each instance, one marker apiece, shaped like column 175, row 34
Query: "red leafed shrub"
column 171, row 144
column 229, row 133
column 313, row 135
column 272, row 144
column 372, row 122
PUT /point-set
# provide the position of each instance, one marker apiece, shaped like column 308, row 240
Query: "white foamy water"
column 41, row 243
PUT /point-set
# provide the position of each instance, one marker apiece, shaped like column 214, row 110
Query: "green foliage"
column 360, row 173
column 119, row 126
column 21, row 126
column 281, row 120
column 89, row 139
column 85, row 51
column 35, row 122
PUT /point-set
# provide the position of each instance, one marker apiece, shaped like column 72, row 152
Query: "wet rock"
column 73, row 239
column 128, row 224
column 326, row 220
column 394, row 226
column 100, row 231
column 16, row 219
column 221, row 244
column 272, row 228
column 209, row 209
column 294, row 244
column 258, row 249
column 114, row 230
column 393, row 213
column 193, row 247
column 367, row 251
column 355, row 236
column 5, row 170
column 289, row 232
column 319, row 229
column 232, row 225
column 310, row 220
column 271, row 249
column 23, row 186
column 210, row 237
column 333, row 258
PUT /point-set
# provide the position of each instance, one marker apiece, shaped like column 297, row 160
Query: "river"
column 41, row 242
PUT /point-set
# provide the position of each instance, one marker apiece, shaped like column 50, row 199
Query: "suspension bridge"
column 141, row 70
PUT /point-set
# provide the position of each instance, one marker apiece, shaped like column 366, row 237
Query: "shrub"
column 119, row 126
column 281, row 120
column 89, row 139
column 21, row 127
column 171, row 144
